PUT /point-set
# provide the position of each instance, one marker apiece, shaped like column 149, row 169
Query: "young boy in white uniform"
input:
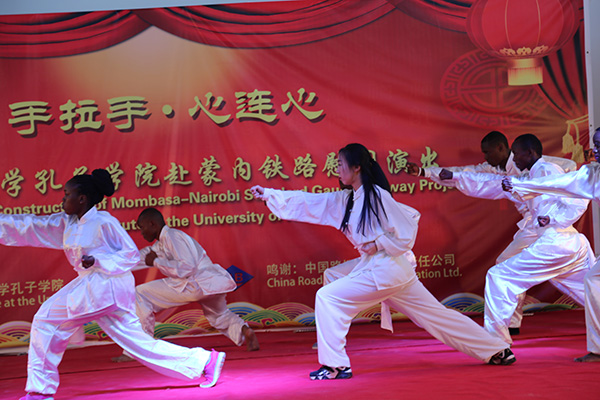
column 191, row 276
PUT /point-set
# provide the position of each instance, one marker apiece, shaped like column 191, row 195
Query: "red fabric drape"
column 244, row 25
column 446, row 14
column 61, row 34
column 568, row 98
column 270, row 25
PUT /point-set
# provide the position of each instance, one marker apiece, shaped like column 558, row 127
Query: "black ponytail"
column 371, row 174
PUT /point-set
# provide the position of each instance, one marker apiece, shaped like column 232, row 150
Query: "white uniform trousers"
column 563, row 258
column 340, row 301
column 592, row 308
column 52, row 328
column 521, row 240
column 343, row 269
column 156, row 295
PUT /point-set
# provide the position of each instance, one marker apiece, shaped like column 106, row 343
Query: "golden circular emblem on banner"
column 474, row 88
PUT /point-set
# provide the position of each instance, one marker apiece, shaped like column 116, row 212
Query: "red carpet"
column 408, row 364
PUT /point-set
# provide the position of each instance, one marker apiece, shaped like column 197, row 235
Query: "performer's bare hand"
column 369, row 248
column 446, row 174
column 87, row 261
column 543, row 220
column 258, row 192
column 150, row 257
column 413, row 169
column 507, row 184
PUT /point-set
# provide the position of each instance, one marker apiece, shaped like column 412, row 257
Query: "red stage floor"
column 408, row 364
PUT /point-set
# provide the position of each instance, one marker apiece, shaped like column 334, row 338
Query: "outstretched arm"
column 480, row 185
column 443, row 176
column 295, row 205
column 578, row 184
column 33, row 230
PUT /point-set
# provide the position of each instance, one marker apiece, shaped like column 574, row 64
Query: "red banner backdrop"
column 189, row 107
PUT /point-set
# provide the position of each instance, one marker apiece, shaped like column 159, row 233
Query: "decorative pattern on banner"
column 295, row 315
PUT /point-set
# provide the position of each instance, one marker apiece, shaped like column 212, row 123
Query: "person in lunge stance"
column 190, row 277
column 383, row 231
column 584, row 184
column 102, row 254
column 560, row 254
column 499, row 161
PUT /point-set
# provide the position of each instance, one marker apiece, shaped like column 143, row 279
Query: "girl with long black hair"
column 383, row 231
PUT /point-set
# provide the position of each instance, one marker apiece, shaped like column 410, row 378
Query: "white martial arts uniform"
column 388, row 275
column 527, row 232
column 560, row 254
column 339, row 271
column 584, row 183
column 104, row 293
column 190, row 276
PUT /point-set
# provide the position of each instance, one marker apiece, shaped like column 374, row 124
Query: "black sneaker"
column 326, row 372
column 504, row 357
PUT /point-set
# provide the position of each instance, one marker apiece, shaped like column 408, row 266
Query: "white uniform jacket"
column 98, row 234
column 486, row 186
column 511, row 169
column 394, row 237
column 181, row 259
column 584, row 183
column 563, row 212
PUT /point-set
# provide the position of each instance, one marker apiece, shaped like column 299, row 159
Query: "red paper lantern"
column 522, row 32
